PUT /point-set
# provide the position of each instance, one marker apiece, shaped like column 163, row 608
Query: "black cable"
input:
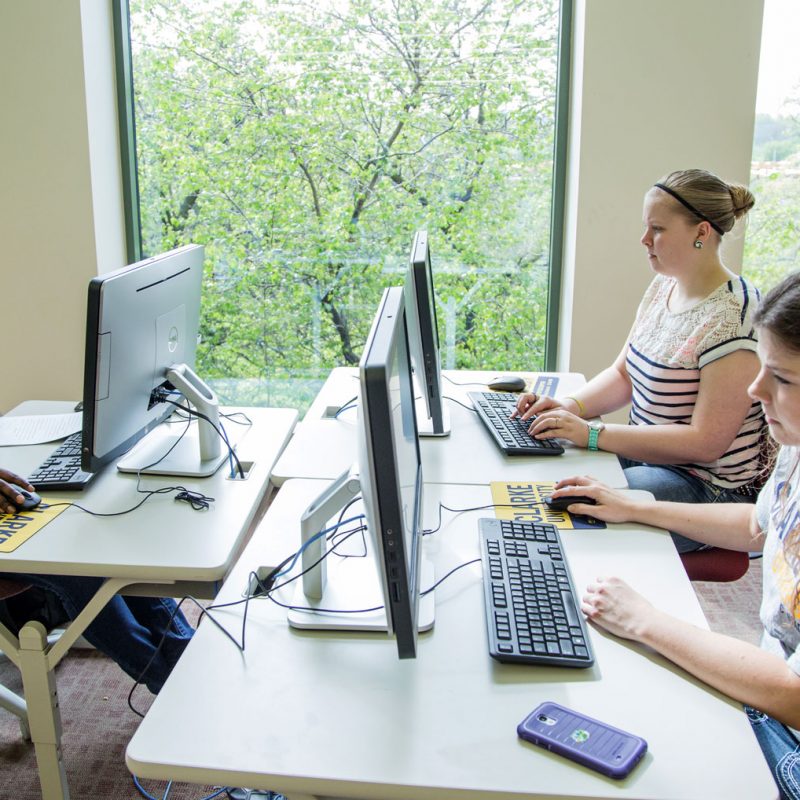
column 152, row 658
column 468, row 383
column 308, row 569
column 231, row 417
column 266, row 588
column 458, row 402
column 429, row 531
column 197, row 500
column 205, row 612
column 269, row 592
column 192, row 412
column 352, row 402
column 335, row 534
column 447, row 575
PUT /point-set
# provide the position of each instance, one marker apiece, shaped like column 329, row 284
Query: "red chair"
column 715, row 564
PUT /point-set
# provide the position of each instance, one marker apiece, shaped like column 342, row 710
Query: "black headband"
column 690, row 207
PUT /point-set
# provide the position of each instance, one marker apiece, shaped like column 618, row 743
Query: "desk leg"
column 37, row 660
column 44, row 716
column 16, row 705
column 9, row 645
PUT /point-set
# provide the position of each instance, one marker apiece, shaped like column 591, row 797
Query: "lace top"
column 666, row 353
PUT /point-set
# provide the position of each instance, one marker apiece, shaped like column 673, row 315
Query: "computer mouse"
column 507, row 383
column 31, row 498
column 561, row 503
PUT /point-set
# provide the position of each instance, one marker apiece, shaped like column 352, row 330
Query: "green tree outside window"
column 303, row 144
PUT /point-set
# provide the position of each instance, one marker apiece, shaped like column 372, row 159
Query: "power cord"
column 458, row 402
column 351, row 403
column 442, row 506
column 168, row 788
column 229, row 791
column 164, row 397
column 468, row 383
column 196, row 500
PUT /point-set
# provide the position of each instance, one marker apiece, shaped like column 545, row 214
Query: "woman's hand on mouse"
column 8, row 496
column 610, row 504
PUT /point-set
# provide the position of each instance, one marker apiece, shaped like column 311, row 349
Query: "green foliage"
column 775, row 138
column 303, row 144
column 772, row 244
column 773, row 234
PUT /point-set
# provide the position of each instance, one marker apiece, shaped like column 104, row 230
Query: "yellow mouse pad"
column 17, row 528
column 525, row 502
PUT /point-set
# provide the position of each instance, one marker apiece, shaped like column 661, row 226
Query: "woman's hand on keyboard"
column 558, row 423
column 529, row 405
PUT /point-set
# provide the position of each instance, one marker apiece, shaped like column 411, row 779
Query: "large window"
column 304, row 143
column 772, row 244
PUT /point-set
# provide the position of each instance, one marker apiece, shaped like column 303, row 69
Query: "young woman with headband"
column 694, row 435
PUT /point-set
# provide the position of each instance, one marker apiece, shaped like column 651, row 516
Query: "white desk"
column 327, row 714
column 163, row 542
column 323, row 446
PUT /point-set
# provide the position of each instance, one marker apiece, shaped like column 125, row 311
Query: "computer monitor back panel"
column 423, row 337
column 141, row 320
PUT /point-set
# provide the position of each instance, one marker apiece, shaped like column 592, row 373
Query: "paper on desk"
column 38, row 428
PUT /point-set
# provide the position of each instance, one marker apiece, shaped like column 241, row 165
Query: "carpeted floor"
column 97, row 722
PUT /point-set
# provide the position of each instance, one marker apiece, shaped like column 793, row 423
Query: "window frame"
column 130, row 175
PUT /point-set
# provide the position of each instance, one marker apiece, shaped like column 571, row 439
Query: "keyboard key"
column 511, row 435
column 62, row 468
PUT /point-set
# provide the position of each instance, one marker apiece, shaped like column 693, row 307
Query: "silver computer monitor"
column 433, row 418
column 388, row 476
column 141, row 338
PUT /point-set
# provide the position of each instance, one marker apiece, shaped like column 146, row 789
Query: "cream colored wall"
column 656, row 87
column 60, row 214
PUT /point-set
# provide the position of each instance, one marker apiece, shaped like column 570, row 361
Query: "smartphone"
column 587, row 741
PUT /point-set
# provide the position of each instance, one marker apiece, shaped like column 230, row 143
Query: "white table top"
column 340, row 715
column 163, row 539
column 323, row 446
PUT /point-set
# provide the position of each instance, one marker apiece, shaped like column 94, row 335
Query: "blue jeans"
column 128, row 629
column 781, row 750
column 677, row 486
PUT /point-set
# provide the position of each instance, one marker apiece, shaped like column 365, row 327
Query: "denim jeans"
column 128, row 629
column 782, row 751
column 677, row 486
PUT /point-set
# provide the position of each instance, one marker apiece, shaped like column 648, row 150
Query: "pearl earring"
column 698, row 244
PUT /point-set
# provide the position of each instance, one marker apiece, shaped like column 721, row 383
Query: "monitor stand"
column 345, row 584
column 354, row 583
column 425, row 425
column 183, row 460
column 170, row 449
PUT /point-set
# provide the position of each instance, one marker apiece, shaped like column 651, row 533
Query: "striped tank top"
column 666, row 353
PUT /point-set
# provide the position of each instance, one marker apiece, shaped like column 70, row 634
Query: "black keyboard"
column 511, row 435
column 531, row 610
column 62, row 468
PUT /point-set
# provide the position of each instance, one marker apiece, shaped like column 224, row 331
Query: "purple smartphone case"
column 587, row 741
